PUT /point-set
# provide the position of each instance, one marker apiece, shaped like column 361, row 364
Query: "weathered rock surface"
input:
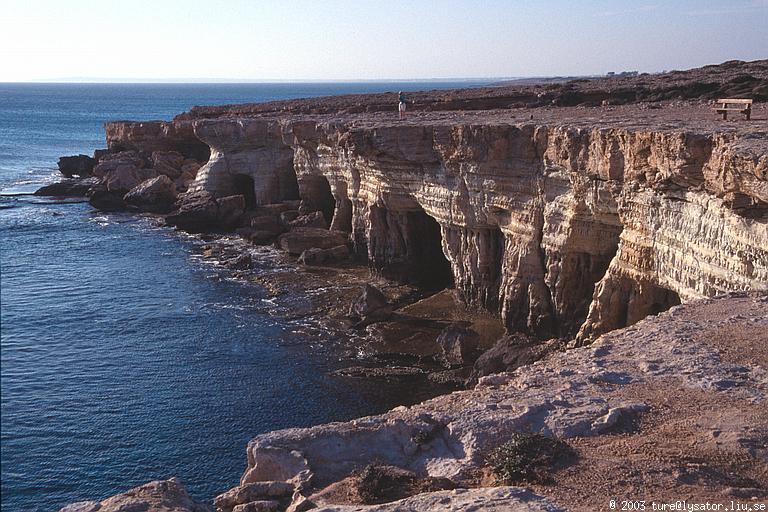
column 509, row 353
column 67, row 188
column 458, row 346
column 154, row 195
column 78, row 165
column 580, row 393
column 201, row 211
column 157, row 496
column 120, row 172
column 371, row 306
column 324, row 256
column 493, row 499
column 559, row 226
column 299, row 240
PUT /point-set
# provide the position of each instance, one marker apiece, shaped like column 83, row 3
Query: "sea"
column 125, row 356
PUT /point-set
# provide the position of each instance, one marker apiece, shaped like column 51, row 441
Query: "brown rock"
column 168, row 163
column 509, row 353
column 252, row 492
column 458, row 346
column 372, row 305
column 154, row 195
column 322, row 256
column 258, row 506
column 310, row 220
column 299, row 240
column 79, row 165
column 157, row 496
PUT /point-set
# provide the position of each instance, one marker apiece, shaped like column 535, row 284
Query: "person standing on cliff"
column 401, row 101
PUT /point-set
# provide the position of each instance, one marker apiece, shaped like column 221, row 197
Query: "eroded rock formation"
column 559, row 228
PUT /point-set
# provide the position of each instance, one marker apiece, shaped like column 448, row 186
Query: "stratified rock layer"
column 560, row 227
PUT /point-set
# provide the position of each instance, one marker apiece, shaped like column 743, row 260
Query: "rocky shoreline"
column 469, row 246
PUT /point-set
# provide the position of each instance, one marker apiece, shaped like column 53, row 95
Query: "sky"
column 293, row 40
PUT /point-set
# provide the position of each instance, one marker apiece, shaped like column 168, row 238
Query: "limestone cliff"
column 562, row 226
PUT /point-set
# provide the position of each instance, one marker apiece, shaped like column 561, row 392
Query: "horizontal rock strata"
column 558, row 227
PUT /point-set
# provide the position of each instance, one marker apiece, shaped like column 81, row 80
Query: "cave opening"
column 649, row 299
column 430, row 269
column 244, row 184
column 289, row 184
column 316, row 195
column 326, row 202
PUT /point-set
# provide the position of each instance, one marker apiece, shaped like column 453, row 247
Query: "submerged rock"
column 68, row 188
column 77, row 165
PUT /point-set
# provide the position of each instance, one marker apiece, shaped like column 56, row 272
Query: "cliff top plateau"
column 727, row 80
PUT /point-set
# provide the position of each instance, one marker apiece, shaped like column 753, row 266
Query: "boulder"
column 77, row 165
column 511, row 352
column 197, row 212
column 258, row 506
column 371, row 305
column 310, row 220
column 68, row 188
column 168, row 163
column 122, row 171
column 288, row 216
column 105, row 200
column 257, row 236
column 111, row 161
column 248, row 493
column 266, row 223
column 273, row 209
column 154, row 195
column 200, row 211
column 157, row 496
column 321, row 256
column 230, row 210
column 299, row 240
column 458, row 346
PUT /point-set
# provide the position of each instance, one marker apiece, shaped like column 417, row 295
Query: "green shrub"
column 526, row 457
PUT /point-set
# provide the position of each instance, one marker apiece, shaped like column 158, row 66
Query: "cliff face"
column 559, row 228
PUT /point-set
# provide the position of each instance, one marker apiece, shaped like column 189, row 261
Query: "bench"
column 734, row 105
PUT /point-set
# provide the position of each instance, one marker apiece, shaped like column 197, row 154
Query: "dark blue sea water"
column 125, row 357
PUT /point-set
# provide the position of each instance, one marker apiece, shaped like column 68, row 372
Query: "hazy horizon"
column 338, row 41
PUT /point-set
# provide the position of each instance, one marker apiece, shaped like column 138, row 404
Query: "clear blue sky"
column 367, row 39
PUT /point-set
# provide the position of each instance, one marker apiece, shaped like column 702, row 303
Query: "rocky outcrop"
column 147, row 137
column 201, row 211
column 246, row 157
column 68, row 188
column 676, row 359
column 157, row 496
column 154, row 195
column 77, row 165
column 494, row 499
column 299, row 240
column 557, row 228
